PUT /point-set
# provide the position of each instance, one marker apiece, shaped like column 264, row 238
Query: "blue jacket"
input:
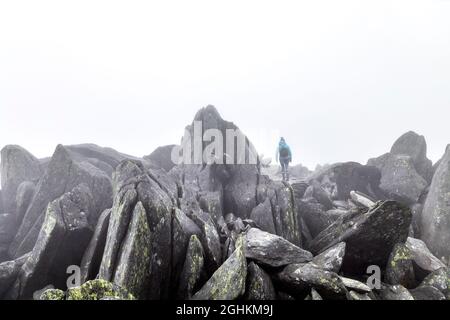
column 283, row 145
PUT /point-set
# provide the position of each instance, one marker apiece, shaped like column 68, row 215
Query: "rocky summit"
column 91, row 223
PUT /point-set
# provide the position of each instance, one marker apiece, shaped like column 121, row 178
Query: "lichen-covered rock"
column 228, row 282
column 424, row 262
column 272, row 250
column 331, row 259
column 97, row 290
column 133, row 266
column 209, row 237
column 435, row 223
column 61, row 242
column 259, row 284
column 283, row 208
column 92, row 257
column 8, row 273
column 193, row 269
column 17, row 166
column 53, row 294
column 399, row 269
column 61, row 176
column 397, row 292
column 427, row 293
column 298, row 279
column 124, row 203
column 439, row 279
column 133, row 183
column 369, row 236
column 355, row 285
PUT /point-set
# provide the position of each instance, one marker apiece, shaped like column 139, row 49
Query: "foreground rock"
column 259, row 284
column 331, row 259
column 400, row 269
column 298, row 279
column 92, row 290
column 136, row 192
column 424, row 262
column 62, row 175
column 435, row 226
column 192, row 269
column 369, row 236
column 272, row 250
column 228, row 282
column 62, row 239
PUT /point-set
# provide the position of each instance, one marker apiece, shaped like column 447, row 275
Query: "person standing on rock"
column 285, row 156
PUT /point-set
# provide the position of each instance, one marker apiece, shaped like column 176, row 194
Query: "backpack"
column 284, row 152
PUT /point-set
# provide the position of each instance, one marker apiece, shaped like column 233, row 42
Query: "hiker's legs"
column 282, row 170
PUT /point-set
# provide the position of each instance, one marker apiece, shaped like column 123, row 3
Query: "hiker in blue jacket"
column 285, row 156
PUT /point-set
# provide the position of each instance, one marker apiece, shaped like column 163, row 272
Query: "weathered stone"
column 341, row 178
column 210, row 240
column 369, row 237
column 132, row 271
column 92, row 257
column 439, row 279
column 262, row 215
column 7, row 227
column 62, row 175
column 399, row 269
column 415, row 146
column 97, row 290
column 25, row 193
column 397, row 292
column 435, row 224
column 298, row 279
column 353, row 295
column 272, row 250
column 228, row 282
column 315, row 216
column 427, row 293
column 133, row 183
column 124, row 203
column 355, row 285
column 8, row 273
column 424, row 261
column 161, row 157
column 62, row 239
column 259, row 285
column 17, row 166
column 192, row 269
column 331, row 259
column 183, row 229
column 399, row 178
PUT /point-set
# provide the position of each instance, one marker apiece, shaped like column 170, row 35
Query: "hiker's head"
column 282, row 139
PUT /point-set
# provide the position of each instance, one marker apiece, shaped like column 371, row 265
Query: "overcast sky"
column 340, row 80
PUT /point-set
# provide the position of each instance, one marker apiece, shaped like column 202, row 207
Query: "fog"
column 340, row 80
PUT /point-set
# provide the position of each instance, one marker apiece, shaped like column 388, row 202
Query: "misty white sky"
column 340, row 80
